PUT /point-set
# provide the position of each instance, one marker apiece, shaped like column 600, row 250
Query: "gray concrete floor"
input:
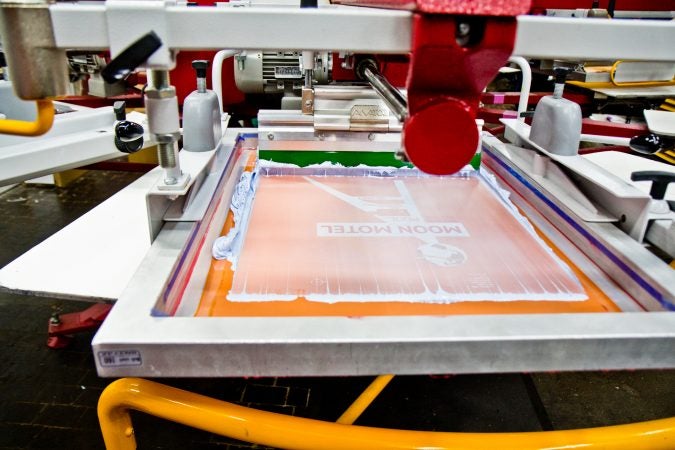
column 48, row 397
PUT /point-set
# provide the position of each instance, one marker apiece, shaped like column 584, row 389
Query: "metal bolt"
column 308, row 102
column 463, row 29
column 170, row 180
column 401, row 156
column 166, row 155
column 54, row 319
column 241, row 62
column 371, row 136
column 159, row 78
column 322, row 136
column 270, row 137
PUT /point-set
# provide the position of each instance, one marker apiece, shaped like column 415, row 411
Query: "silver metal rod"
column 168, row 160
column 308, row 79
column 201, row 85
column 396, row 102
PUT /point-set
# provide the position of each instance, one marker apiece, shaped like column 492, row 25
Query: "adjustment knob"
column 646, row 143
column 131, row 57
column 200, row 66
column 128, row 136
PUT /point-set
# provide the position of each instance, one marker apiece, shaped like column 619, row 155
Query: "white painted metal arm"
column 366, row 30
column 526, row 83
column 217, row 73
column 253, row 28
column 574, row 38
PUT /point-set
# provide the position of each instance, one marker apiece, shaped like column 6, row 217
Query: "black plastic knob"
column 128, row 136
column 660, row 181
column 131, row 57
column 646, row 143
column 120, row 109
column 200, row 67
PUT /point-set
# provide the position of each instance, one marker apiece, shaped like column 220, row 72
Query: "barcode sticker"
column 119, row 358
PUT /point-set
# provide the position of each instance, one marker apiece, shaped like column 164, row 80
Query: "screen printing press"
column 333, row 256
column 332, row 270
column 369, row 226
column 344, row 271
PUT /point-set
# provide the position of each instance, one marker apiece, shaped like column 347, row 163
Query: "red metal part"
column 460, row 7
column 445, row 81
column 492, row 115
column 133, row 100
column 507, row 7
column 625, row 130
column 63, row 326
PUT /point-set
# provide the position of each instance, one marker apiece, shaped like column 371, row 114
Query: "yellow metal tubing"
column 364, row 400
column 42, row 124
column 278, row 430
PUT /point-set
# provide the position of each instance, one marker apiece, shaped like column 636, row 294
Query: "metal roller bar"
column 396, row 102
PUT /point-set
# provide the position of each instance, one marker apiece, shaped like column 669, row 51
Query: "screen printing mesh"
column 411, row 239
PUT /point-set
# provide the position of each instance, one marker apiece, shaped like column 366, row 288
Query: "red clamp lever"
column 453, row 59
column 458, row 47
